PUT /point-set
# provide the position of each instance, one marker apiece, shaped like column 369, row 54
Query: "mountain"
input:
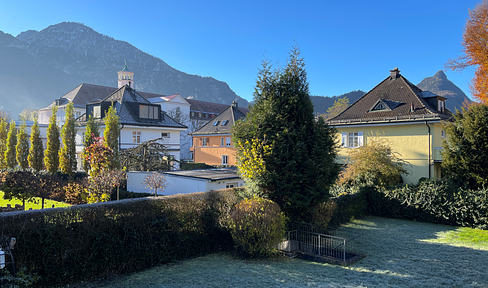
column 440, row 85
column 40, row 66
column 321, row 103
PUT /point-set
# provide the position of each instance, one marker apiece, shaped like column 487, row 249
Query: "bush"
column 257, row 226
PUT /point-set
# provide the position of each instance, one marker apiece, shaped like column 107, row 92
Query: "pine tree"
column 465, row 152
column 298, row 163
column 51, row 156
column 36, row 151
column 67, row 154
column 111, row 136
column 92, row 131
column 22, row 147
column 11, row 143
column 3, row 143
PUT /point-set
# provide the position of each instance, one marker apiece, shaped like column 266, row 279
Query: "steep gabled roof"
column 223, row 123
column 83, row 94
column 122, row 99
column 209, row 107
column 395, row 99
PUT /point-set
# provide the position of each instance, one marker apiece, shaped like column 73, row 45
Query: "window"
column 221, row 141
column 227, row 141
column 225, row 122
column 96, row 112
column 205, row 141
column 379, row 106
column 440, row 105
column 352, row 139
column 225, row 159
column 148, row 112
column 443, row 133
column 230, row 185
column 165, row 135
column 192, row 114
column 136, row 136
column 215, row 123
column 205, row 115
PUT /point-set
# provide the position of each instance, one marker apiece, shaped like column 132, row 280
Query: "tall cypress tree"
column 111, row 136
column 22, row 147
column 3, row 143
column 298, row 163
column 67, row 154
column 51, row 154
column 36, row 151
column 92, row 131
column 11, row 143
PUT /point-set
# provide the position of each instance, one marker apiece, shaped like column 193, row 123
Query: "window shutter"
column 360, row 139
column 344, row 140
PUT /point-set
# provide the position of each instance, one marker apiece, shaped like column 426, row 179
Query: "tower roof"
column 125, row 67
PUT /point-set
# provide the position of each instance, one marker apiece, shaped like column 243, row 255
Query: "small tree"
column 51, row 154
column 19, row 185
column 92, row 132
column 67, row 154
column 465, row 153
column 36, row 151
column 11, row 143
column 375, row 163
column 155, row 181
column 340, row 105
column 111, row 136
column 22, row 147
column 3, row 143
column 147, row 156
column 99, row 184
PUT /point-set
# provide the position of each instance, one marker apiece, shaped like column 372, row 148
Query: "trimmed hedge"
column 66, row 245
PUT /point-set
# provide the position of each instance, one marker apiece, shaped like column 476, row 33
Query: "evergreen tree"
column 67, row 154
column 22, row 147
column 92, row 131
column 111, row 136
column 298, row 153
column 465, row 153
column 51, row 154
column 36, row 151
column 11, row 143
column 3, row 143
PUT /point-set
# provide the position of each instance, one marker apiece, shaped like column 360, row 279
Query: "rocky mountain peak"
column 441, row 75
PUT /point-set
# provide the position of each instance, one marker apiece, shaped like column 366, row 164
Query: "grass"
column 37, row 204
column 399, row 254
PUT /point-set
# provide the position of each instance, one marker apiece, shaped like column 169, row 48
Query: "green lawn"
column 34, row 205
column 399, row 254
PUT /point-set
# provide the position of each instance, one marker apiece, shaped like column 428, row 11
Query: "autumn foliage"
column 475, row 51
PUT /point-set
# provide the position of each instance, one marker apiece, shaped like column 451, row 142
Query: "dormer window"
column 97, row 113
column 148, row 111
column 379, row 106
column 440, row 105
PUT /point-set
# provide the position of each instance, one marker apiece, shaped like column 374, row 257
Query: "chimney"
column 395, row 73
column 234, row 104
column 411, row 107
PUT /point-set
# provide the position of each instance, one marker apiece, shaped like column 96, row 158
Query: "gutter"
column 428, row 131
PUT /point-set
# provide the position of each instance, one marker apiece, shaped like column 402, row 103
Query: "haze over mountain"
column 39, row 66
column 440, row 85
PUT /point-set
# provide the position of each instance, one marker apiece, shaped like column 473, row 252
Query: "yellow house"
column 212, row 143
column 405, row 115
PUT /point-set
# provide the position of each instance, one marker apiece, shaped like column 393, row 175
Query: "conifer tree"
column 3, row 143
column 111, row 136
column 36, row 151
column 67, row 154
column 11, row 143
column 465, row 153
column 51, row 154
column 22, row 147
column 92, row 131
column 298, row 153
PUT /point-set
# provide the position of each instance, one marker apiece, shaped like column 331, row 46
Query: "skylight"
column 215, row 123
column 224, row 122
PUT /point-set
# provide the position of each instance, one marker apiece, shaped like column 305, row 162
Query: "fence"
column 318, row 244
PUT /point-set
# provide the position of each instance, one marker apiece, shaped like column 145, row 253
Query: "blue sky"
column 347, row 45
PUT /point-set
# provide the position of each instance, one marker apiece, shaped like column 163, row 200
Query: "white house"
column 189, row 181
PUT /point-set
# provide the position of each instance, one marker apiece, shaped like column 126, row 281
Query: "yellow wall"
column 411, row 141
column 212, row 153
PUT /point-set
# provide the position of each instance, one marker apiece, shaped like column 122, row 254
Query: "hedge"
column 66, row 245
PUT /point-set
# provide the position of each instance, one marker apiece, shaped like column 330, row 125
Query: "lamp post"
column 7, row 250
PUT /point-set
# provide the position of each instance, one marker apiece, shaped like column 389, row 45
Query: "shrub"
column 257, row 226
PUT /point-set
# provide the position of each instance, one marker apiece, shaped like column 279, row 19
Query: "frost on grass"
column 399, row 254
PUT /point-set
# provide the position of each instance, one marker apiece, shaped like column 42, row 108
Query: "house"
column 409, row 118
column 201, row 112
column 188, row 181
column 212, row 143
column 140, row 121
